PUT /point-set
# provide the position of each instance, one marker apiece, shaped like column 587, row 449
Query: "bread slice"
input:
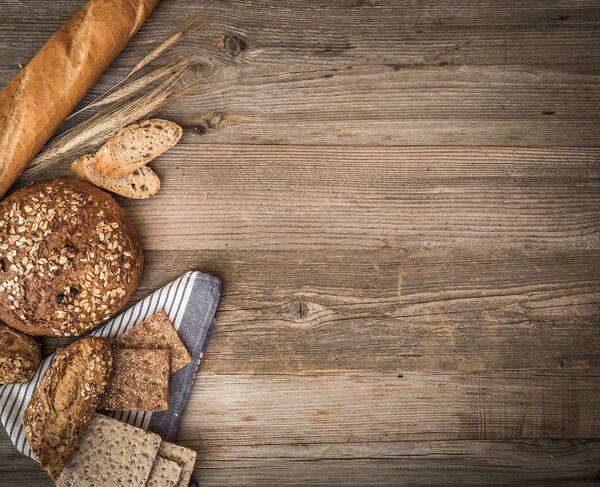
column 156, row 331
column 142, row 183
column 135, row 146
column 139, row 381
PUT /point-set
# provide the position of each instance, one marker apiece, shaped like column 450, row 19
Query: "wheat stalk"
column 183, row 31
column 137, row 85
column 97, row 129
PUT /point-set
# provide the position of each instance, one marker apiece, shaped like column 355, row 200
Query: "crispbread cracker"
column 157, row 331
column 139, row 381
column 165, row 473
column 110, row 454
column 185, row 457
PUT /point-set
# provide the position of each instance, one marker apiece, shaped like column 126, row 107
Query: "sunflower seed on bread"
column 142, row 183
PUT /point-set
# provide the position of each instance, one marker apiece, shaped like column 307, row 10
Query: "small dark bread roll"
column 70, row 258
column 65, row 400
column 19, row 356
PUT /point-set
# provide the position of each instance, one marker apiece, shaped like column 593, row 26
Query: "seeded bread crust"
column 65, row 400
column 69, row 258
column 19, row 356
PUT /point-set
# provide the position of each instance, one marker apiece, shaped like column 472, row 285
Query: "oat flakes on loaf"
column 19, row 356
column 65, row 400
column 69, row 258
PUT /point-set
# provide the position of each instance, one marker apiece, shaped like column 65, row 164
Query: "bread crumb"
column 205, row 196
column 20, row 66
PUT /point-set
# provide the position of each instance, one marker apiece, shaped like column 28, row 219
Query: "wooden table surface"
column 402, row 199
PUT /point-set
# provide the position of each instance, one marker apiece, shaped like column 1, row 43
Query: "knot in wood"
column 215, row 120
column 234, row 45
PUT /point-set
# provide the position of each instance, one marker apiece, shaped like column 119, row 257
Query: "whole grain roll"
column 69, row 256
column 19, row 356
column 65, row 400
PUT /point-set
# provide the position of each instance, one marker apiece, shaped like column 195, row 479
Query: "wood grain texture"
column 365, row 407
column 385, row 73
column 405, row 302
column 415, row 463
column 231, row 197
column 296, row 312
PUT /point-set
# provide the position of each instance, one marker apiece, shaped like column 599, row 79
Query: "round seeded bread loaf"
column 19, row 356
column 69, row 258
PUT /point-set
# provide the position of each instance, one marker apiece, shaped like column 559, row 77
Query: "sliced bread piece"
column 156, row 331
column 142, row 183
column 135, row 146
column 139, row 381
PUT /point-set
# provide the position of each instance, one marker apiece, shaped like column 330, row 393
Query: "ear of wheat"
column 180, row 33
column 97, row 129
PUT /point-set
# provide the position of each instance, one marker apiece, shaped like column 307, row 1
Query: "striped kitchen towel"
column 190, row 302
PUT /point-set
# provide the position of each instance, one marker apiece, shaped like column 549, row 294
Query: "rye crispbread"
column 165, row 473
column 139, row 381
column 156, row 331
column 110, row 454
column 185, row 457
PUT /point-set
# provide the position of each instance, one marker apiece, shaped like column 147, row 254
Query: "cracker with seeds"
column 165, row 473
column 157, row 331
column 185, row 457
column 139, row 381
column 110, row 454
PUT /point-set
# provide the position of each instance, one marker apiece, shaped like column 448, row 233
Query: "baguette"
column 36, row 101
column 140, row 184
column 135, row 146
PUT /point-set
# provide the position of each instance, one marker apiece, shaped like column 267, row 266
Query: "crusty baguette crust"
column 65, row 400
column 107, row 166
column 36, row 101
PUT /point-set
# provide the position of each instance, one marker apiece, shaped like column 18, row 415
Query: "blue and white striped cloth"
column 191, row 302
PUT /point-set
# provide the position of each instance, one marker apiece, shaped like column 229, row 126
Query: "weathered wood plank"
column 419, row 463
column 346, row 31
column 366, row 407
column 379, row 73
column 433, row 310
column 394, row 310
column 217, row 197
column 306, row 311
